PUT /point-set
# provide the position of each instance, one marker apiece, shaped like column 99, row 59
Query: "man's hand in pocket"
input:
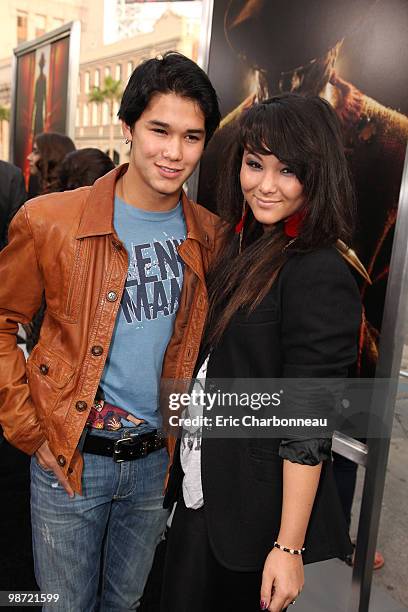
column 47, row 461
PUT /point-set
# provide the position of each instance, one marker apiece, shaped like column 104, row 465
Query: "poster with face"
column 353, row 53
column 40, row 97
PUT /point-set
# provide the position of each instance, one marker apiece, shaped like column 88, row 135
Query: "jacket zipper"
column 79, row 262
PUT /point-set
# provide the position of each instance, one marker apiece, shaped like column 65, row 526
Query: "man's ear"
column 126, row 130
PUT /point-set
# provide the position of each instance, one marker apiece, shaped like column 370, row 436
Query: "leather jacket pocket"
column 66, row 280
column 47, row 374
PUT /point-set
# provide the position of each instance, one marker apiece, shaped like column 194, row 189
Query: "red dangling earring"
column 239, row 228
column 293, row 223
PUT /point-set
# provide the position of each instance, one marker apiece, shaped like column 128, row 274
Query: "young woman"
column 49, row 150
column 283, row 304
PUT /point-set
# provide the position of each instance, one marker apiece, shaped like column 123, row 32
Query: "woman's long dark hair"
column 52, row 148
column 303, row 132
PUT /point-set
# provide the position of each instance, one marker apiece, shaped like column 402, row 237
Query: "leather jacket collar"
column 97, row 217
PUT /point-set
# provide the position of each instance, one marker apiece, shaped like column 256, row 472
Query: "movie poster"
column 354, row 54
column 40, row 97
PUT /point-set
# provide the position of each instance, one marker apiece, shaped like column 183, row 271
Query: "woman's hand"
column 282, row 580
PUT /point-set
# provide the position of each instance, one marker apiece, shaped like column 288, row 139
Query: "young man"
column 122, row 265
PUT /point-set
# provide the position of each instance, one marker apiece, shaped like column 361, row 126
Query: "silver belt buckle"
column 117, row 449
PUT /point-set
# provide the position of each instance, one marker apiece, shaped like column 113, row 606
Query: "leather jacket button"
column 61, row 460
column 97, row 350
column 81, row 406
column 111, row 296
column 44, row 369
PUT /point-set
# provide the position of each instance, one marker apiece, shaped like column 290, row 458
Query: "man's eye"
column 159, row 130
column 192, row 138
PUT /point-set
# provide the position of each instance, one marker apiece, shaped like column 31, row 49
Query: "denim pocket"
column 35, row 464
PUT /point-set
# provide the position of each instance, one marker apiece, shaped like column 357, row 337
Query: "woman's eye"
column 254, row 164
column 287, row 171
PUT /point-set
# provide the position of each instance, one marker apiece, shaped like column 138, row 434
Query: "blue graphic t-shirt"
column 146, row 316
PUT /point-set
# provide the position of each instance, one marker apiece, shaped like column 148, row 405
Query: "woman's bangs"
column 267, row 131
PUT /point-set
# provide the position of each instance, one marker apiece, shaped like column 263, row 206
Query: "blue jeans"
column 106, row 537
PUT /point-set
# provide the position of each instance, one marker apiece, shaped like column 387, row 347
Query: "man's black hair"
column 172, row 73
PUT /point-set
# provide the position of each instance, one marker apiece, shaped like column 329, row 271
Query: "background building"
column 20, row 21
column 116, row 35
column 118, row 60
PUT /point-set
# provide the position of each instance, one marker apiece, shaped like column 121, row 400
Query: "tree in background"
column 4, row 116
column 111, row 92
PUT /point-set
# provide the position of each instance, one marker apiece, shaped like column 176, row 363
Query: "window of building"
column 107, row 71
column 97, row 78
column 57, row 22
column 94, row 114
column 129, row 69
column 87, row 82
column 21, row 26
column 85, row 115
column 39, row 25
column 118, row 72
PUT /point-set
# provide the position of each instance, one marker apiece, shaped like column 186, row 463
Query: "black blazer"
column 307, row 326
column 12, row 196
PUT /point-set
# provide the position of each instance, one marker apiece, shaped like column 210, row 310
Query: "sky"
column 148, row 13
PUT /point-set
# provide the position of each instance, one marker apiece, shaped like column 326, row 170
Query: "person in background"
column 83, row 167
column 49, row 150
column 77, row 169
column 12, row 196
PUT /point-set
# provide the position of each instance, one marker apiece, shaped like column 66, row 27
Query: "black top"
column 306, row 327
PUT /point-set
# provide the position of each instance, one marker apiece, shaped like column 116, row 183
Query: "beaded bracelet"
column 291, row 551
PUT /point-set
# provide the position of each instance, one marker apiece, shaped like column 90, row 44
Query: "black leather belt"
column 124, row 449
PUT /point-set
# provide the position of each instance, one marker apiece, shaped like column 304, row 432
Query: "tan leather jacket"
column 65, row 244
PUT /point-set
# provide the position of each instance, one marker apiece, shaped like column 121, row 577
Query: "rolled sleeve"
column 308, row 451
